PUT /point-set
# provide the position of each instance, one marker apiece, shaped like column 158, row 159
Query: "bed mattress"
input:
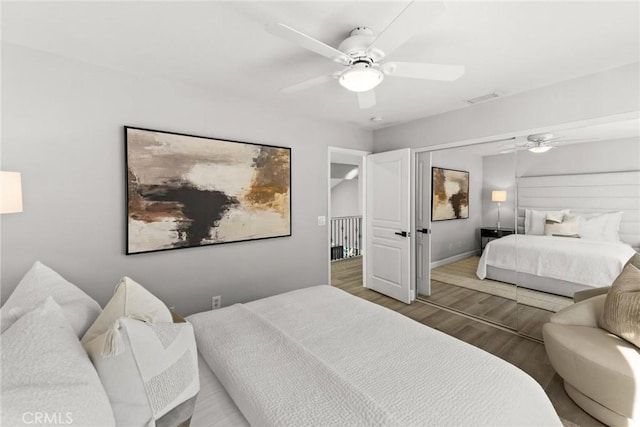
column 536, row 283
column 319, row 356
column 558, row 265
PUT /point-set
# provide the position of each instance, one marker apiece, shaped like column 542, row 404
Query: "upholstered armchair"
column 601, row 371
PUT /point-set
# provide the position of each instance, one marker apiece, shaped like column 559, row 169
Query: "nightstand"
column 489, row 234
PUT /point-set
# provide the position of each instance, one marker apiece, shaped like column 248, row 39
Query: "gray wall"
column 500, row 170
column 458, row 236
column 345, row 198
column 62, row 128
column 610, row 92
column 589, row 157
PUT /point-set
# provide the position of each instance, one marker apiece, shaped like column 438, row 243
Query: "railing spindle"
column 346, row 237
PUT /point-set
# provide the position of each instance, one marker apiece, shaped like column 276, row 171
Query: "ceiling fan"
column 540, row 143
column 362, row 51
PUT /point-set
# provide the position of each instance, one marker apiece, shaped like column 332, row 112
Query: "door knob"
column 401, row 233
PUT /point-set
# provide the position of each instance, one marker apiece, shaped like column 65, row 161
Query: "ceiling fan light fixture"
column 361, row 78
column 540, row 149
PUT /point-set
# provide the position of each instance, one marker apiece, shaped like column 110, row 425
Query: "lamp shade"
column 10, row 192
column 498, row 196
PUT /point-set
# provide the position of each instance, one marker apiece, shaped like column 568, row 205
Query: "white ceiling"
column 222, row 47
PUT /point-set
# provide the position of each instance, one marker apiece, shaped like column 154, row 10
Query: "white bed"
column 319, row 356
column 214, row 406
column 563, row 265
column 557, row 265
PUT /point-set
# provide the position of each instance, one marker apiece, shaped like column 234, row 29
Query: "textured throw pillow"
column 635, row 261
column 46, row 374
column 601, row 228
column 535, row 220
column 621, row 313
column 129, row 299
column 567, row 226
column 149, row 371
column 41, row 282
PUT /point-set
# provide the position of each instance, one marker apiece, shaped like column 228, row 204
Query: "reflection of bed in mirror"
column 605, row 211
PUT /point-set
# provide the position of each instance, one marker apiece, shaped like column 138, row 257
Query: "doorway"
column 345, row 222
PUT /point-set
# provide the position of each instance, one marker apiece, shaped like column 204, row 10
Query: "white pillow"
column 149, row 370
column 534, row 220
column 46, row 371
column 601, row 228
column 568, row 226
column 41, row 282
column 129, row 299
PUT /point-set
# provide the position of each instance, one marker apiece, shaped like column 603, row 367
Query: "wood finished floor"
column 526, row 354
column 525, row 319
column 456, row 286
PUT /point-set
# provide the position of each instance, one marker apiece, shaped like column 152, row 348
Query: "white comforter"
column 580, row 261
column 319, row 356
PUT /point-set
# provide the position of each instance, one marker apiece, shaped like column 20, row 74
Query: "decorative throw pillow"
column 635, row 261
column 601, row 228
column 535, row 220
column 149, row 371
column 46, row 373
column 129, row 299
column 567, row 226
column 41, row 282
column 621, row 313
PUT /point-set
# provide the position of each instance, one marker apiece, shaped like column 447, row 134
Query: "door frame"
column 363, row 200
column 415, row 154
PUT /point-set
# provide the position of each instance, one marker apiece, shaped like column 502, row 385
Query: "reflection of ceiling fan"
column 540, row 143
column 362, row 52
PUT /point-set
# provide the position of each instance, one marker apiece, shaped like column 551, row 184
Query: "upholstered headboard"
column 594, row 192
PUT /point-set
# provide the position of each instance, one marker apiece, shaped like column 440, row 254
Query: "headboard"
column 593, row 192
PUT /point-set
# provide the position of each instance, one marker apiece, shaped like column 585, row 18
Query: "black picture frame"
column 185, row 191
column 445, row 206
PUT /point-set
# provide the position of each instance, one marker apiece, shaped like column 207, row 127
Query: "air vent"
column 483, row 98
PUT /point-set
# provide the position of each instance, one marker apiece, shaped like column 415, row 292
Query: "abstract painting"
column 185, row 191
column 450, row 199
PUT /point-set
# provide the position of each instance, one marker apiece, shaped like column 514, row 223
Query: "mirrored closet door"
column 468, row 193
column 518, row 226
column 578, row 215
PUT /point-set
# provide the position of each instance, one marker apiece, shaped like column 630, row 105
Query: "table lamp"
column 498, row 196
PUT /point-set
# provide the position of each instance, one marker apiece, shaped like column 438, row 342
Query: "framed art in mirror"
column 450, row 194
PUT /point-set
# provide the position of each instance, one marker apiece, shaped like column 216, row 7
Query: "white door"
column 387, row 218
column 423, row 223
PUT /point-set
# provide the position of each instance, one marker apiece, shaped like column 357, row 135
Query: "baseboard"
column 454, row 258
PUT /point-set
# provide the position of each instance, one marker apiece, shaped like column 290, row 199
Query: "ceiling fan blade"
column 367, row 99
column 308, row 83
column 560, row 140
column 404, row 26
column 309, row 43
column 415, row 70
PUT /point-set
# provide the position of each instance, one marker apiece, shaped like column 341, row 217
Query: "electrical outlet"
column 216, row 302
